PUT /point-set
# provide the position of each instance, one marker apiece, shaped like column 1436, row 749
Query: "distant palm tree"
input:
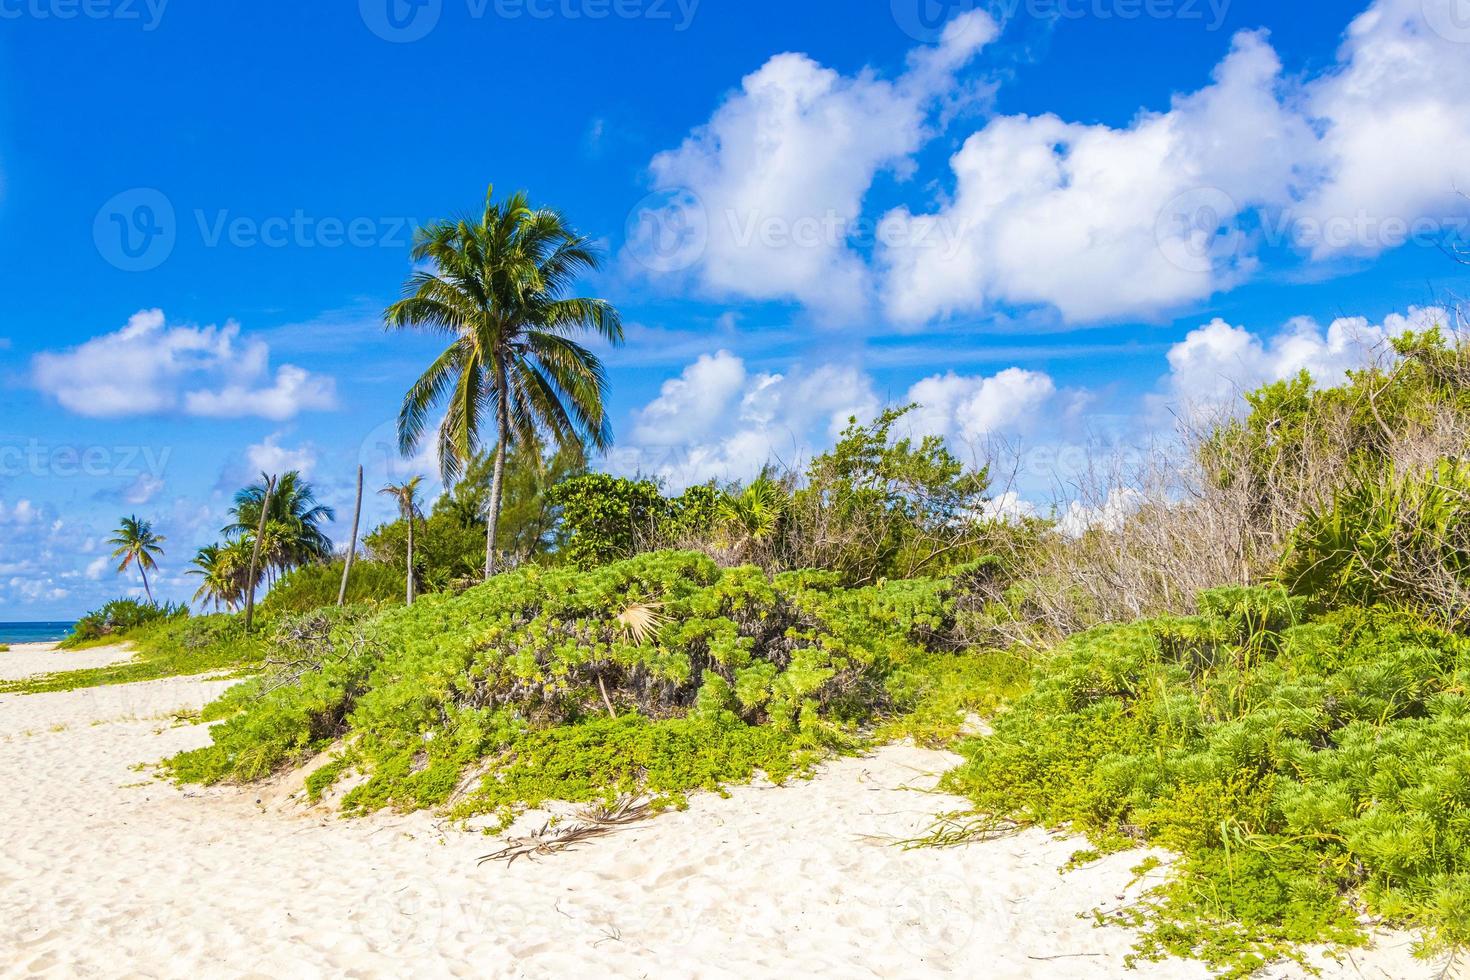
column 495, row 286
column 407, row 496
column 224, row 569
column 293, row 528
column 137, row 545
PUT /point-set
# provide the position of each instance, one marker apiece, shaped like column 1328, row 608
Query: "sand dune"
column 106, row 871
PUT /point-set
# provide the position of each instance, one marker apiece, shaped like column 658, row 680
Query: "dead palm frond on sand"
column 591, row 823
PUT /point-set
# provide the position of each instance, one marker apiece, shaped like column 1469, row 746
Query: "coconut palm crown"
column 495, row 284
column 137, row 545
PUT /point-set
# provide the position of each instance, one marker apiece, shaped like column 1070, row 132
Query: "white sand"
column 106, row 871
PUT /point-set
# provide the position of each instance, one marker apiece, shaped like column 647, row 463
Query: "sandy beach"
column 105, row 870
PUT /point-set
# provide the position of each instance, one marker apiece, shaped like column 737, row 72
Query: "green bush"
column 316, row 586
column 1390, row 537
column 1302, row 766
column 663, row 673
column 117, row 618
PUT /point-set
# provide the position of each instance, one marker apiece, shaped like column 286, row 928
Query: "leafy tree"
column 608, row 518
column 497, row 287
column 449, row 544
column 139, row 546
column 406, row 495
column 294, row 534
column 877, row 505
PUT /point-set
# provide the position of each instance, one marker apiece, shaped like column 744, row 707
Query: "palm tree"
column 293, row 534
column 496, row 287
column 754, row 514
column 223, row 569
column 407, row 496
column 137, row 545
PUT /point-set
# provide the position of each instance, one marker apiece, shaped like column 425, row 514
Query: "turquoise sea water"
column 33, row 632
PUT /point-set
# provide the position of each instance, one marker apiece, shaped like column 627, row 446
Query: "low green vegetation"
column 1304, row 768
column 168, row 646
column 117, row 618
column 660, row 674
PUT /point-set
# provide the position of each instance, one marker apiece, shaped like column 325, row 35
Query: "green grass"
column 172, row 648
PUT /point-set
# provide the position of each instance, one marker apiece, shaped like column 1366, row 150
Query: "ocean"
column 33, row 632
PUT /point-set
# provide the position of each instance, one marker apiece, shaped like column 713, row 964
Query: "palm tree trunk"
column 502, row 420
column 352, row 550
column 410, row 557
column 265, row 507
column 144, row 572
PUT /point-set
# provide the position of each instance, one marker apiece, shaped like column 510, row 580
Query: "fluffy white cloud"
column 969, row 409
column 1068, row 215
column 1395, row 123
column 719, row 421
column 771, row 188
column 270, row 456
column 150, row 367
column 1218, row 361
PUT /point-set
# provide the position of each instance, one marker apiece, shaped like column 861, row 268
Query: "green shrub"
column 1390, row 537
column 316, row 586
column 663, row 673
column 117, row 618
column 1300, row 765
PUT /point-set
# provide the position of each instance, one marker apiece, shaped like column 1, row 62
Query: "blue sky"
column 1049, row 222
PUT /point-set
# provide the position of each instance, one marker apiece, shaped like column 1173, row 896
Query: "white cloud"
column 775, row 181
column 1110, row 515
column 968, row 409
column 150, row 367
column 1218, row 361
column 142, row 490
column 1062, row 214
column 271, row 457
column 1395, row 117
column 719, row 421
column 96, row 567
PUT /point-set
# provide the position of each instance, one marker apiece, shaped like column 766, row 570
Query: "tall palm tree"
column 223, row 569
column 407, row 496
column 137, row 545
column 495, row 285
column 293, row 527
